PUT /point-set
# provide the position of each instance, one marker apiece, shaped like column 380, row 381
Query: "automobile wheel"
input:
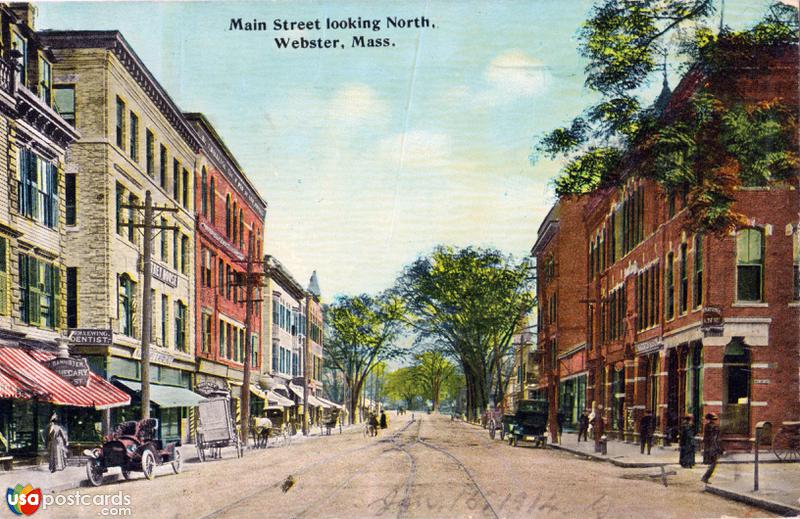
column 177, row 462
column 148, row 464
column 126, row 474
column 94, row 472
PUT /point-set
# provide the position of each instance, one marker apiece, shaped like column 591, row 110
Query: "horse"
column 260, row 427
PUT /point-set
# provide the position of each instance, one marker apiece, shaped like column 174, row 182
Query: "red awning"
column 25, row 366
column 13, row 388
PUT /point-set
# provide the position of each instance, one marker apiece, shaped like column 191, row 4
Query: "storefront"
column 572, row 399
column 35, row 384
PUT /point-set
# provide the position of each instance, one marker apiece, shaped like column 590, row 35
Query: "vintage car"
column 132, row 447
column 528, row 423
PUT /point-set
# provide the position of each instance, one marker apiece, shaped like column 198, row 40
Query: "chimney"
column 63, row 347
column 26, row 12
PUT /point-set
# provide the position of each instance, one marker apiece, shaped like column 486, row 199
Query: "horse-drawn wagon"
column 216, row 428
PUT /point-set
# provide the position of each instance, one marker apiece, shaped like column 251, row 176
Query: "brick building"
column 134, row 140
column 651, row 283
column 230, row 228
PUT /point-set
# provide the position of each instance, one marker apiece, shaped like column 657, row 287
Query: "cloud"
column 516, row 73
column 355, row 103
column 416, row 149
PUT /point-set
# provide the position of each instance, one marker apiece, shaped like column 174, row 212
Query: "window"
column 38, row 188
column 207, row 273
column 212, row 201
column 254, row 350
column 221, row 277
column 228, row 285
column 222, row 338
column 175, row 248
column 180, row 326
column 120, row 128
column 70, row 198
column 4, row 289
column 185, row 254
column 72, row 297
column 132, row 202
column 697, row 288
column 39, row 294
column 796, row 256
column 120, row 197
column 45, row 89
column 228, row 216
column 206, row 339
column 125, row 305
column 185, row 189
column 176, row 179
column 241, row 229
column 150, row 152
column 230, row 339
column 21, row 44
column 683, row 289
column 134, row 137
column 164, row 320
column 64, row 99
column 274, row 357
column 671, row 205
column 669, row 287
column 204, row 192
column 164, row 241
column 162, row 167
column 749, row 265
column 235, row 227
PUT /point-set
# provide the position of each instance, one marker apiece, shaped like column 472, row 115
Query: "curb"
column 613, row 461
column 759, row 502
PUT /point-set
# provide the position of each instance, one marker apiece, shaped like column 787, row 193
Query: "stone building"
column 134, row 140
column 230, row 228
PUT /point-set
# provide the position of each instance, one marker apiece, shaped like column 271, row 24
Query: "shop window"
column 162, row 167
column 64, row 102
column 669, row 287
column 72, row 297
column 120, row 126
column 749, row 265
column 150, row 152
column 38, row 188
column 134, row 137
column 697, row 288
column 71, row 199
column 164, row 320
column 181, row 323
column 126, row 295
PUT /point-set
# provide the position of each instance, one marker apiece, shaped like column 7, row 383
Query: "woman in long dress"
column 687, row 442
column 57, row 445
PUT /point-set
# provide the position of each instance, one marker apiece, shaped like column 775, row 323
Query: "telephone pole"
column 147, row 282
column 248, row 345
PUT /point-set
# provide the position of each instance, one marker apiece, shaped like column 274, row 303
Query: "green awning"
column 164, row 396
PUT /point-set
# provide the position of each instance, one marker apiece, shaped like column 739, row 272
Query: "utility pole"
column 306, row 378
column 248, row 345
column 147, row 282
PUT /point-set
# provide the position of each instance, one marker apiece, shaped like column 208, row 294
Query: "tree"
column 432, row 371
column 626, row 43
column 360, row 334
column 401, row 386
column 469, row 302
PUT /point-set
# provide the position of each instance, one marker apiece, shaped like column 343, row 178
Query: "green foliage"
column 594, row 168
column 562, row 140
column 432, row 371
column 401, row 386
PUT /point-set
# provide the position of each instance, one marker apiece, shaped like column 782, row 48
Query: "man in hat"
column 583, row 425
column 687, row 442
column 57, row 444
column 646, row 428
column 712, row 445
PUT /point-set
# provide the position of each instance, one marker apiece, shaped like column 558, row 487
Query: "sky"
column 370, row 157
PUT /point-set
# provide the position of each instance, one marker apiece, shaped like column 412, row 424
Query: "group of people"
column 375, row 423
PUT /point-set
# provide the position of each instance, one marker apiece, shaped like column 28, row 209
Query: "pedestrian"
column 560, row 423
column 712, row 445
column 57, row 444
column 583, row 426
column 384, row 421
column 591, row 423
column 646, row 426
column 373, row 425
column 687, row 442
column 599, row 428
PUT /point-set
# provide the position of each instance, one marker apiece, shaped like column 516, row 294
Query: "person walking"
column 384, row 421
column 583, row 426
column 646, row 427
column 712, row 445
column 373, row 425
column 57, row 445
column 686, row 444
column 560, row 423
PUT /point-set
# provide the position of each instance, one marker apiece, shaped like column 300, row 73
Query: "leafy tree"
column 469, row 302
column 361, row 332
column 432, row 371
column 402, row 386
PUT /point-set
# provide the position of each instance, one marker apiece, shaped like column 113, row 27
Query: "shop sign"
column 75, row 370
column 650, row 346
column 760, row 381
column 713, row 324
column 164, row 275
column 91, row 337
column 155, row 356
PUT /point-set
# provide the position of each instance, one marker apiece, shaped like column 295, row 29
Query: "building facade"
column 134, row 140
column 230, row 218
column 685, row 323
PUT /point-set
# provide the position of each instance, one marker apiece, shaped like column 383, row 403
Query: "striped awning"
column 280, row 400
column 25, row 366
column 330, row 403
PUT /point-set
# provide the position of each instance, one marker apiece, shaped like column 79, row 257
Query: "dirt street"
column 428, row 468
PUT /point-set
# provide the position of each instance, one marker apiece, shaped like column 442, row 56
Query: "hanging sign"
column 75, row 370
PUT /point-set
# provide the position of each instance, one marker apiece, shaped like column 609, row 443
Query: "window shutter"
column 56, row 310
column 35, row 293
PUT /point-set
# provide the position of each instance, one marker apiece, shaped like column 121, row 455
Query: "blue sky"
column 370, row 157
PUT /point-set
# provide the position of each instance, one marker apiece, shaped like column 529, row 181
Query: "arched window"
column 749, row 265
column 235, row 227
column 736, row 386
column 204, row 192
column 241, row 229
column 228, row 216
column 125, row 307
column 212, row 201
